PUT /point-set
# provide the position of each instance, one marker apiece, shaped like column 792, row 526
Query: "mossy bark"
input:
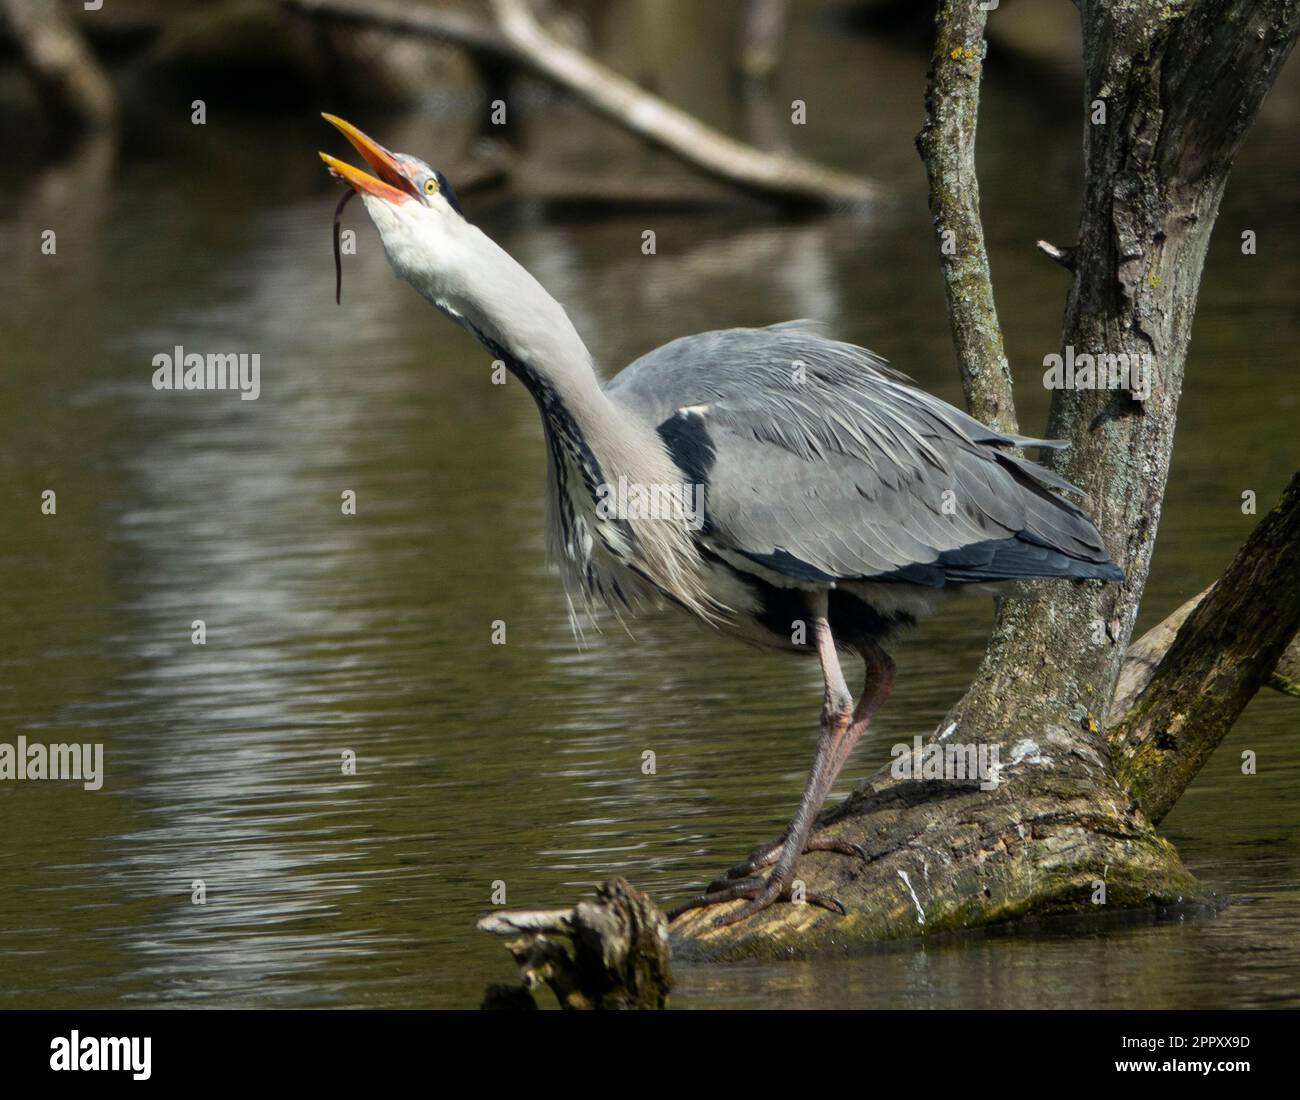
column 947, row 146
column 1224, row 652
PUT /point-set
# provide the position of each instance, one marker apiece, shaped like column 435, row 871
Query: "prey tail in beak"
column 338, row 248
column 390, row 181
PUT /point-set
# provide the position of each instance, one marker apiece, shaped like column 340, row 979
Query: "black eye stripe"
column 448, row 193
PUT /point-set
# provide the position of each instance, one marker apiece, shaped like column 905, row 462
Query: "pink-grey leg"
column 842, row 727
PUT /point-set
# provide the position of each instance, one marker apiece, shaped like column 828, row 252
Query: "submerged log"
column 617, row 955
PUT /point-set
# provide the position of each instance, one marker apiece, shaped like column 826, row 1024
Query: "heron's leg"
column 836, row 724
column 876, row 689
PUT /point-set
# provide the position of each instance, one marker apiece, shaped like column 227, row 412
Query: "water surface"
column 371, row 633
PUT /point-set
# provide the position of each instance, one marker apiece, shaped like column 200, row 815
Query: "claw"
column 761, row 893
column 741, row 881
column 772, row 892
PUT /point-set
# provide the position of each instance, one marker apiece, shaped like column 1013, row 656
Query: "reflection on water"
column 370, row 634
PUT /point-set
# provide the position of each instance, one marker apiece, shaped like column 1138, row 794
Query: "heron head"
column 412, row 205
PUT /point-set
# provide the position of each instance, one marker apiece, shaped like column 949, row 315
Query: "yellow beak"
column 392, row 183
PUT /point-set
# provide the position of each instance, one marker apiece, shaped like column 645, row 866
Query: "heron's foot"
column 768, row 854
column 761, row 893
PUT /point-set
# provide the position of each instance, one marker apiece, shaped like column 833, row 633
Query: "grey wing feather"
column 822, row 462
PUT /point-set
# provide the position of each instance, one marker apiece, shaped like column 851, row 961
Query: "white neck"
column 501, row 303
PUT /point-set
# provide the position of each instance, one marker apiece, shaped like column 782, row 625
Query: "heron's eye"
column 431, row 186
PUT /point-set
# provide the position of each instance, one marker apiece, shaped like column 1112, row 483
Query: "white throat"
column 591, row 439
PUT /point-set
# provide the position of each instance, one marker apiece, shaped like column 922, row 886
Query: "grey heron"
column 837, row 501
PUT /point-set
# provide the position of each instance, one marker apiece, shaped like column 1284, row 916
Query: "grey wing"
column 821, row 463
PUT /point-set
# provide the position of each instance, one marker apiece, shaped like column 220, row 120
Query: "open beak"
column 389, row 181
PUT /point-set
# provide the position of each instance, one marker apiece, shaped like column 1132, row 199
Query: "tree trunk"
column 1180, row 85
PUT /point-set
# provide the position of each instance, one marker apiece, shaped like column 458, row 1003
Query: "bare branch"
column 947, row 146
column 1225, row 650
column 1144, row 657
column 1286, row 677
column 1063, row 256
column 67, row 74
column 456, row 28
column 521, row 41
column 762, row 23
column 770, row 175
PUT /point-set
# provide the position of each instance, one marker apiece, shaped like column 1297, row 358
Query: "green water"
column 521, row 763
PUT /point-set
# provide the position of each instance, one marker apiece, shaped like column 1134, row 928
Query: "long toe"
column 759, row 858
column 842, row 847
column 771, row 893
column 748, row 889
column 729, row 880
column 768, row 854
column 760, row 893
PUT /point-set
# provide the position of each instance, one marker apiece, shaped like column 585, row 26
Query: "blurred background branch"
column 519, row 39
column 66, row 73
column 762, row 27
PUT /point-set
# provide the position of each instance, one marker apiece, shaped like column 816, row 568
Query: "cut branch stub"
column 617, row 956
